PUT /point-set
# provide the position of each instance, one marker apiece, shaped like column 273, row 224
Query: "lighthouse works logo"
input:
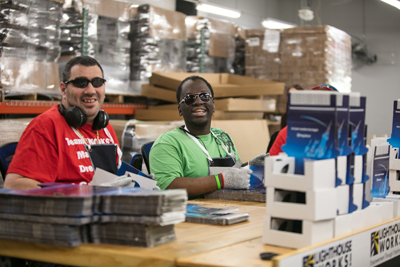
column 385, row 239
column 335, row 256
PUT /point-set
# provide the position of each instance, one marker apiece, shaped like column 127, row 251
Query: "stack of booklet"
column 132, row 216
column 256, row 195
column 197, row 214
column 69, row 215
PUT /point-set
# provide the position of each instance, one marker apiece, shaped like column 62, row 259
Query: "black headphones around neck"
column 76, row 118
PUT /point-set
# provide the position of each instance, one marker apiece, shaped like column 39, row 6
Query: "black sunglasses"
column 189, row 99
column 83, row 82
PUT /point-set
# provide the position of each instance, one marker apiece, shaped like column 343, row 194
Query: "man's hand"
column 238, row 163
column 237, row 178
column 258, row 160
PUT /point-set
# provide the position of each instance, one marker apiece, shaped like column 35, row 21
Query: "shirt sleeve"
column 279, row 142
column 165, row 163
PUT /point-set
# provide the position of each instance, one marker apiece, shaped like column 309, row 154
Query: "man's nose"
column 90, row 89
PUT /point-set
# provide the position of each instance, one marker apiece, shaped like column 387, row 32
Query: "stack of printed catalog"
column 68, row 215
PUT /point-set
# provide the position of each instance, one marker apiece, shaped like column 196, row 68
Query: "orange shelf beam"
column 37, row 107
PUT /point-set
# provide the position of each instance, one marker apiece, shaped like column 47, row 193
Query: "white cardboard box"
column 343, row 198
column 372, row 214
column 341, row 168
column 358, row 168
column 342, row 225
column 394, row 166
column 319, row 204
column 318, row 174
column 358, row 195
column 395, row 199
column 357, row 220
column 311, row 233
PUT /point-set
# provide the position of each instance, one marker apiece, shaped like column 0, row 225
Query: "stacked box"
column 300, row 208
column 311, row 56
column 218, row 45
column 158, row 40
column 240, row 52
column 29, row 48
column 262, row 54
column 108, row 40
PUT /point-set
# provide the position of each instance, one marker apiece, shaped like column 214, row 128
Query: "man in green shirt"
column 186, row 156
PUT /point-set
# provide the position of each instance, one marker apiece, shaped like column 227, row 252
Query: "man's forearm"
column 18, row 182
column 195, row 186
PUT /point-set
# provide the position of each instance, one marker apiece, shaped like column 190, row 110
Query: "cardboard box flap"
column 224, row 85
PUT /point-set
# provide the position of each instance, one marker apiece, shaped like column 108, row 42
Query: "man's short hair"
column 192, row 78
column 81, row 60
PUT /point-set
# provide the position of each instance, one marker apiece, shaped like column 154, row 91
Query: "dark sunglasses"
column 189, row 99
column 83, row 82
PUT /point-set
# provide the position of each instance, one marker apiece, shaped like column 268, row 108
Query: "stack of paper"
column 197, row 214
column 54, row 215
column 257, row 195
column 69, row 214
column 137, row 217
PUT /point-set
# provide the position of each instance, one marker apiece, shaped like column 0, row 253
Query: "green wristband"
column 217, row 179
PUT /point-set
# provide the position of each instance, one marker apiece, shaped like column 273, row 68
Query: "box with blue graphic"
column 380, row 170
column 312, row 127
column 394, row 169
column 357, row 124
column 394, row 140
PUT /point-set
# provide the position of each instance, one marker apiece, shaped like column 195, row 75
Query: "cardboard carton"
column 173, row 115
column 343, row 198
column 313, row 205
column 224, row 84
column 319, row 174
column 310, row 233
column 395, row 199
column 158, row 93
column 242, row 104
column 342, row 225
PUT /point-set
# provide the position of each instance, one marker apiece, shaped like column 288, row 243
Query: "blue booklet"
column 126, row 167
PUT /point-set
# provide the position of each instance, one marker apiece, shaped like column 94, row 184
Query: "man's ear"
column 179, row 110
column 63, row 87
column 213, row 106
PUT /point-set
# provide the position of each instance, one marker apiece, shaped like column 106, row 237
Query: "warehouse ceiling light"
column 276, row 24
column 218, row 10
column 394, row 3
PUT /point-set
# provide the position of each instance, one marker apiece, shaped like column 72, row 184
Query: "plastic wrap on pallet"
column 219, row 44
column 108, row 41
column 29, row 45
column 316, row 55
column 158, row 43
column 240, row 51
column 33, row 25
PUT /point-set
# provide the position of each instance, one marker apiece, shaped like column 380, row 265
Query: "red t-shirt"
column 279, row 142
column 50, row 151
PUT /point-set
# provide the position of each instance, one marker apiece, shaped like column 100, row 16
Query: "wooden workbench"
column 209, row 245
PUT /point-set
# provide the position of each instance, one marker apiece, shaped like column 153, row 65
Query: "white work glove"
column 235, row 178
column 238, row 163
column 121, row 181
column 258, row 160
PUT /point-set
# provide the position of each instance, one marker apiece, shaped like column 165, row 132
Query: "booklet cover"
column 394, row 140
column 312, row 127
column 197, row 214
column 380, row 171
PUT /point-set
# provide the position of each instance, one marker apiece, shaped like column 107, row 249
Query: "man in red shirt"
column 67, row 142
